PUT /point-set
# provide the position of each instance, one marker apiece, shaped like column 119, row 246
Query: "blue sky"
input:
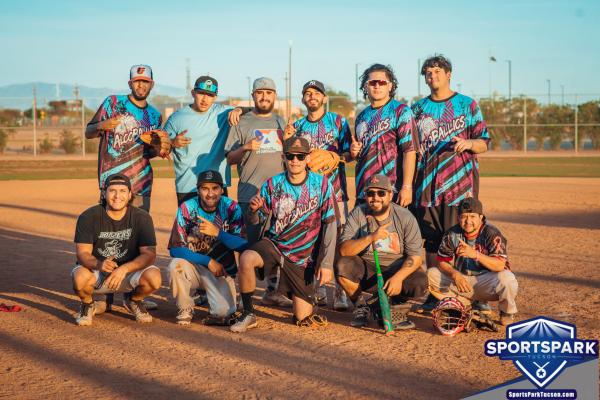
column 95, row 43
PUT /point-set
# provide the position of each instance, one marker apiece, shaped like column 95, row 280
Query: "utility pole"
column 76, row 95
column 290, row 82
column 419, row 77
column 562, row 95
column 576, row 127
column 525, row 125
column 286, row 95
column 356, row 88
column 509, row 79
column 34, row 115
column 188, row 80
column 549, row 86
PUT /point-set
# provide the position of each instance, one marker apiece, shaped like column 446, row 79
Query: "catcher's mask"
column 450, row 316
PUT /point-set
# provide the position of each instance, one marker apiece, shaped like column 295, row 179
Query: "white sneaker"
column 245, row 322
column 136, row 308
column 276, row 299
column 99, row 307
column 184, row 316
column 340, row 300
column 86, row 313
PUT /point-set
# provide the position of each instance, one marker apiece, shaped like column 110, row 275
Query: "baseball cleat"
column 86, row 313
column 340, row 300
column 136, row 308
column 245, row 322
column 184, row 316
column 360, row 316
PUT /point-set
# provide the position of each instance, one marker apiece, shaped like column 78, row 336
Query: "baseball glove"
column 158, row 141
column 323, row 162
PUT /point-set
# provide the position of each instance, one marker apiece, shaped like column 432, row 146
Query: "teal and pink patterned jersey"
column 443, row 176
column 331, row 132
column 298, row 215
column 227, row 217
column 385, row 133
column 121, row 149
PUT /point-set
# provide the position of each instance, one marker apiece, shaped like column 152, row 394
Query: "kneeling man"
column 394, row 232
column 116, row 249
column 473, row 263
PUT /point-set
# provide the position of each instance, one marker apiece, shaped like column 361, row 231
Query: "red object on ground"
column 7, row 308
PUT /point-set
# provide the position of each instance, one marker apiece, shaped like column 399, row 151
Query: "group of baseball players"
column 417, row 185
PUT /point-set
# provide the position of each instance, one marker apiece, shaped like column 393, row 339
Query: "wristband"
column 407, row 186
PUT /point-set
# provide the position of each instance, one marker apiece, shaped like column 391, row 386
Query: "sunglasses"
column 375, row 82
column 290, row 156
column 379, row 193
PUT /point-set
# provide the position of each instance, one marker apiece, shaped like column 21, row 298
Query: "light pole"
column 509, row 79
column 290, row 82
column 562, row 95
column 549, row 87
column 249, row 91
column 419, row 77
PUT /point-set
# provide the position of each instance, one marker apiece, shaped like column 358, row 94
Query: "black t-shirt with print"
column 120, row 239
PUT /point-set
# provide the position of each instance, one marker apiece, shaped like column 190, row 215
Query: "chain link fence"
column 527, row 123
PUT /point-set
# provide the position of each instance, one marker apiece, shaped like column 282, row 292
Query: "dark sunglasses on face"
column 379, row 193
column 290, row 156
column 380, row 82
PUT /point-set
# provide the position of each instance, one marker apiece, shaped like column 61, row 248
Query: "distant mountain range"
column 19, row 96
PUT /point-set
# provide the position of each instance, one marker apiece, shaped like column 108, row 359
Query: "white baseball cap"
column 140, row 72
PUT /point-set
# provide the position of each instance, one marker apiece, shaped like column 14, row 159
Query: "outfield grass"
column 581, row 167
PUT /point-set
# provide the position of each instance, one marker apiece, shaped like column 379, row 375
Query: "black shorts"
column 434, row 222
column 294, row 279
column 226, row 257
column 363, row 272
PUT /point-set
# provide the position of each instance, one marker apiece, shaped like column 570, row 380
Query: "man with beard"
column 119, row 122
column 473, row 263
column 255, row 146
column 116, row 247
column 331, row 132
column 198, row 134
column 451, row 134
column 206, row 231
column 298, row 206
column 393, row 231
column 387, row 136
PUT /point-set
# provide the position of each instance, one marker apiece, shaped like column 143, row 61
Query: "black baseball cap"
column 210, row 176
column 379, row 182
column 297, row 145
column 315, row 85
column 470, row 205
column 206, row 84
column 117, row 179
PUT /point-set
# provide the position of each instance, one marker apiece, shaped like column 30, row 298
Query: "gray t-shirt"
column 257, row 166
column 404, row 239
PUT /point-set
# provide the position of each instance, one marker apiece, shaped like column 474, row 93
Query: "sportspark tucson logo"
column 541, row 348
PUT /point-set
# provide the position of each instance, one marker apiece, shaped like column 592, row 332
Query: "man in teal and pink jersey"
column 119, row 122
column 386, row 136
column 451, row 134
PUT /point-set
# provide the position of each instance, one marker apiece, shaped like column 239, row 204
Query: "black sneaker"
column 360, row 316
column 428, row 306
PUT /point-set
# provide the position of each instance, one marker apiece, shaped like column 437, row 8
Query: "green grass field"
column 581, row 167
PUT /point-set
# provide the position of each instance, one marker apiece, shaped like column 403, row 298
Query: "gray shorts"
column 130, row 282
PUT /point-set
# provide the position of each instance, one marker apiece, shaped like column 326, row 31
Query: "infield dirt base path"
column 553, row 229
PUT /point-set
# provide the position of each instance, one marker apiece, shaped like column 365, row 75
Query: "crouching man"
column 297, row 210
column 116, row 247
column 473, row 263
column 394, row 232
column 206, row 231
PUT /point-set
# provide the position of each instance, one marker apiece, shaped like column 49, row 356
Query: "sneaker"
column 275, row 298
column 150, row 305
column 136, row 308
column 245, row 322
column 428, row 306
column 506, row 319
column 214, row 320
column 340, row 300
column 184, row 316
column 86, row 312
column 360, row 316
column 321, row 296
column 482, row 306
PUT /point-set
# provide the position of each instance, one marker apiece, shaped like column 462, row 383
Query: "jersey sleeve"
column 104, row 111
column 447, row 248
column 327, row 204
column 236, row 223
column 234, row 139
column 170, row 126
column 408, row 135
column 178, row 232
column 352, row 226
column 84, row 230
column 147, row 235
column 412, row 237
column 496, row 244
column 476, row 125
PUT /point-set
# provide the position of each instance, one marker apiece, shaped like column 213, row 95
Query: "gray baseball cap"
column 263, row 83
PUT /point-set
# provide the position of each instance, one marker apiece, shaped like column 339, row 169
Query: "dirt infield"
column 553, row 229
